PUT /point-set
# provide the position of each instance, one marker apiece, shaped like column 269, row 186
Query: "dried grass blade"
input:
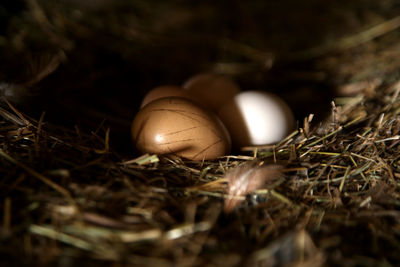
column 56, row 235
column 39, row 176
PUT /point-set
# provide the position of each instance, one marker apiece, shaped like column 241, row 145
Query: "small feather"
column 249, row 177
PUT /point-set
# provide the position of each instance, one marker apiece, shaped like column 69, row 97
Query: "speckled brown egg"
column 211, row 90
column 165, row 91
column 178, row 126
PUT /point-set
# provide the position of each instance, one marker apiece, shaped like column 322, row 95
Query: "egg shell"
column 211, row 90
column 165, row 91
column 175, row 125
column 257, row 118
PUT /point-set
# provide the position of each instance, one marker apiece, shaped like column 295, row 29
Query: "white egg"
column 257, row 118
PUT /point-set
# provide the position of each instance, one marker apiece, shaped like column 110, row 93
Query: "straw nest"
column 73, row 190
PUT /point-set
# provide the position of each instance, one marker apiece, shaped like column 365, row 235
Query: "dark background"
column 112, row 52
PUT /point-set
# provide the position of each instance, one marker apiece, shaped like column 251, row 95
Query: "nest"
column 74, row 191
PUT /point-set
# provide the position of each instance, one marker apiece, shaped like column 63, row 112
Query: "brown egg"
column 165, row 91
column 175, row 125
column 211, row 90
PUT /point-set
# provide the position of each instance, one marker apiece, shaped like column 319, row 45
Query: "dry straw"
column 68, row 197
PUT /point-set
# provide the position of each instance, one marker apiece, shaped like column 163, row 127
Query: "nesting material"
column 76, row 194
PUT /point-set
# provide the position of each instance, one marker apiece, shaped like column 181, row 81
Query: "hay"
column 72, row 194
